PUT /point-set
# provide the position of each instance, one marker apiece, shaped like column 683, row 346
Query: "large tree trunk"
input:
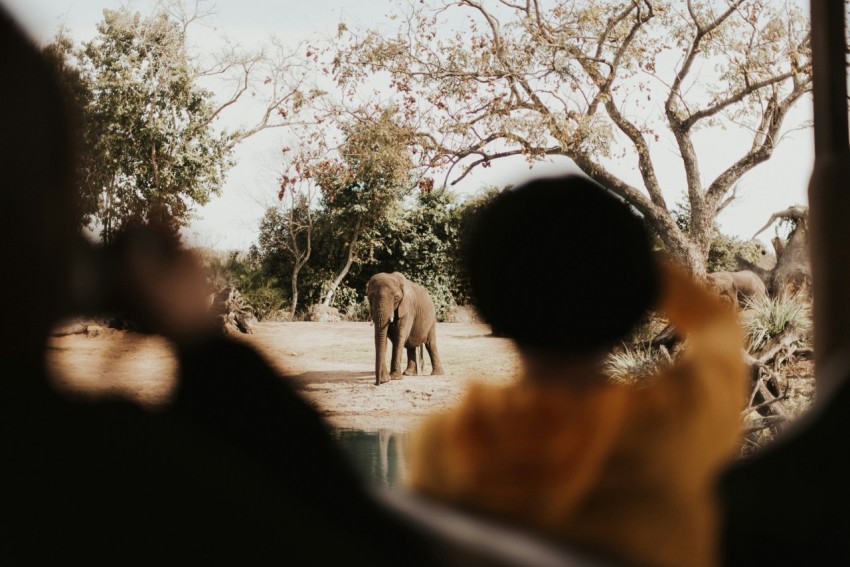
column 693, row 258
column 703, row 222
column 689, row 251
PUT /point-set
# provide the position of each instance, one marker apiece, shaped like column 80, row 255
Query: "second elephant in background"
column 404, row 312
column 737, row 287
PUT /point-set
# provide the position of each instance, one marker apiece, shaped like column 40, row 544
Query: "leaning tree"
column 362, row 183
column 601, row 82
column 285, row 238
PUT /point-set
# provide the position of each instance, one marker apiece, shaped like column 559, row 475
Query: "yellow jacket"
column 627, row 470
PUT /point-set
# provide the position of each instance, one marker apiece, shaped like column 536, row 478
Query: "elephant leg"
column 383, row 375
column 431, row 346
column 411, row 369
column 395, row 363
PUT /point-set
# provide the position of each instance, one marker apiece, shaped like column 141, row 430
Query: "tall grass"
column 630, row 364
column 764, row 319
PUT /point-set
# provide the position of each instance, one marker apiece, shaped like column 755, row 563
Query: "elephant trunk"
column 381, row 316
column 381, row 352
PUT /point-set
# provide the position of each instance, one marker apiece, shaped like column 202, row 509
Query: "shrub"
column 358, row 312
column 265, row 300
column 351, row 303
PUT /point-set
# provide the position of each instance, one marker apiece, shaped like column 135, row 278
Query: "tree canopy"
column 152, row 148
column 150, row 137
column 598, row 82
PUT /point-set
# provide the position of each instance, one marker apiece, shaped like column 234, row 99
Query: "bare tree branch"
column 763, row 145
column 737, row 97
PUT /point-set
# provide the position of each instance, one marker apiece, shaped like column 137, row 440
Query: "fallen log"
column 773, row 348
column 765, row 364
column 764, row 404
column 764, row 423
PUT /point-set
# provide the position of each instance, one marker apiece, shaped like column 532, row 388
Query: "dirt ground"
column 331, row 364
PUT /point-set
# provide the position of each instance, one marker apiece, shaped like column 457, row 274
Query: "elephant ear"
column 405, row 306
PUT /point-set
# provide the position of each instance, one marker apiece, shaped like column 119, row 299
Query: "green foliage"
column 286, row 242
column 373, row 173
column 465, row 220
column 243, row 270
column 271, row 243
column 263, row 293
column 150, row 149
column 277, row 262
column 285, row 229
column 767, row 318
column 374, row 169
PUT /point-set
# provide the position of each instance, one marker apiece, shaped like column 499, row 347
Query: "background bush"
column 423, row 240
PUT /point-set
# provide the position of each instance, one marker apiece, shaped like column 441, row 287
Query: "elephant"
column 737, row 287
column 404, row 312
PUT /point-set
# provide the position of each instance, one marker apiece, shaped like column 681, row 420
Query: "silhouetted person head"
column 38, row 220
column 562, row 266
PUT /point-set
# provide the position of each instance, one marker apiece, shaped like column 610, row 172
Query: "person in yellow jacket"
column 566, row 269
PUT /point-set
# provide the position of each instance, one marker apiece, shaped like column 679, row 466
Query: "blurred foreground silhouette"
column 235, row 471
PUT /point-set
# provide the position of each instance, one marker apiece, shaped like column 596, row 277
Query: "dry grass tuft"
column 766, row 318
column 630, row 364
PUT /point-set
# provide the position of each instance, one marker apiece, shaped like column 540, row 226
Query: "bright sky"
column 230, row 221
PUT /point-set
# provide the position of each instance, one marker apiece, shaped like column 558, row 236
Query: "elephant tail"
column 420, row 356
